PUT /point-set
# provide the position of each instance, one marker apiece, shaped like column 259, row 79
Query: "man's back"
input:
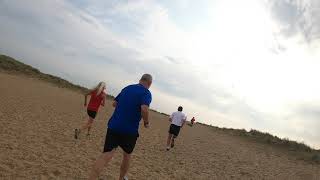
column 127, row 114
column 178, row 118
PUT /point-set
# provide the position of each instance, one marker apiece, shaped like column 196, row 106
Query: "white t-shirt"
column 178, row 118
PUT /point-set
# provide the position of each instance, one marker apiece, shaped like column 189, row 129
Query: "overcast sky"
column 240, row 64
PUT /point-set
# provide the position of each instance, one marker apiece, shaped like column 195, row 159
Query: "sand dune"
column 36, row 142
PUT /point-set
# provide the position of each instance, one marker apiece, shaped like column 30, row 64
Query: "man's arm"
column 145, row 115
column 184, row 121
column 114, row 104
column 115, row 101
column 170, row 117
column 145, row 102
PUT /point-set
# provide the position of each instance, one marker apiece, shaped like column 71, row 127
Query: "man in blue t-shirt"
column 131, row 105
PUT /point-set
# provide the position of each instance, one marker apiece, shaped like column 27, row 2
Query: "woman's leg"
column 87, row 124
column 90, row 122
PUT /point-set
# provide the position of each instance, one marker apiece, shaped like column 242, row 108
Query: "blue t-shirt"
column 127, row 114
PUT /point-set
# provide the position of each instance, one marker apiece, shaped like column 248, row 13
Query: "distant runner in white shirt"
column 177, row 120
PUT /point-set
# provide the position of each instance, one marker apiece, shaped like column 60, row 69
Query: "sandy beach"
column 36, row 142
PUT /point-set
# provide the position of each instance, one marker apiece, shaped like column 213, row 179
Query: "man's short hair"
column 146, row 78
column 180, row 108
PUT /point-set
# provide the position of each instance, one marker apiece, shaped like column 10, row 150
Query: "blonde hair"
column 99, row 88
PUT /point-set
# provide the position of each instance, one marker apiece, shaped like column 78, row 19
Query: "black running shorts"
column 127, row 142
column 174, row 129
column 91, row 114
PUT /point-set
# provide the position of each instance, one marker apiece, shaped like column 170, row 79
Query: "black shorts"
column 127, row 142
column 174, row 129
column 91, row 114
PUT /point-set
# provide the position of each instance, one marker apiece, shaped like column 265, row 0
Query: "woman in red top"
column 98, row 97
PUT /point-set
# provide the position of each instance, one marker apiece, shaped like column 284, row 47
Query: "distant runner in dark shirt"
column 192, row 121
column 131, row 105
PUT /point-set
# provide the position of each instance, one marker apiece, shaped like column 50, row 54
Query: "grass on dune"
column 10, row 65
column 300, row 149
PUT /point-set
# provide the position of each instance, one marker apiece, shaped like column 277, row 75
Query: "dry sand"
column 36, row 142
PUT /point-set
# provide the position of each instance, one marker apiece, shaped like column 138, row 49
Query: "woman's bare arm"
column 85, row 98
column 103, row 102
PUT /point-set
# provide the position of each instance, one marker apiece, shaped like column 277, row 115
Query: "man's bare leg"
column 169, row 140
column 172, row 141
column 100, row 163
column 125, row 165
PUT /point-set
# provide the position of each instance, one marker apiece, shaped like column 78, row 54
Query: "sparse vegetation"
column 316, row 157
column 159, row 112
column 302, row 150
column 10, row 65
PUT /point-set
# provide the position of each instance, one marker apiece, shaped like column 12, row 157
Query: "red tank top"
column 95, row 101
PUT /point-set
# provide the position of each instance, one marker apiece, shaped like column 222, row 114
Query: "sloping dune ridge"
column 36, row 142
